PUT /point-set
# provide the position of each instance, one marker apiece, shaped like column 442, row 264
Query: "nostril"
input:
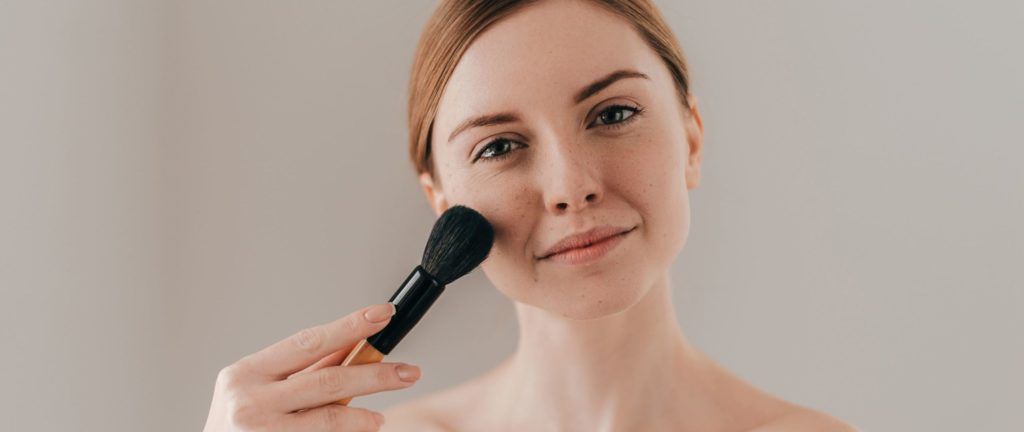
column 591, row 197
column 562, row 206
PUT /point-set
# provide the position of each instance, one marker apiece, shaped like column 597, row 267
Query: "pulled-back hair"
column 455, row 24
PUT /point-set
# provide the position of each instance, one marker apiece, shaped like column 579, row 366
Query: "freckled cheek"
column 639, row 171
column 667, row 201
column 652, row 179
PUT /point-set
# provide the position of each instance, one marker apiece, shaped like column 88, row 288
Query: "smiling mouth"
column 589, row 246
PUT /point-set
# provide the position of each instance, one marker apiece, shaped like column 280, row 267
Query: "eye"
column 618, row 115
column 497, row 149
column 614, row 116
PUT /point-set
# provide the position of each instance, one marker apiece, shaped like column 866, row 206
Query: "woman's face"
column 565, row 160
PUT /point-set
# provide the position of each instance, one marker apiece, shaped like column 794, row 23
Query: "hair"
column 455, row 24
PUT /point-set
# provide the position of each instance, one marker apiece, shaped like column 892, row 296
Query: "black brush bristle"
column 460, row 241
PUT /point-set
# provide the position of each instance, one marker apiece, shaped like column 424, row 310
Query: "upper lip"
column 585, row 238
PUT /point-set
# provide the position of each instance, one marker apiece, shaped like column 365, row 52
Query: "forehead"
column 541, row 56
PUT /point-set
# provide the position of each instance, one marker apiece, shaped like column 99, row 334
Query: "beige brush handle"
column 363, row 353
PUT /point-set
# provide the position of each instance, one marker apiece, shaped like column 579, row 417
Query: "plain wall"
column 84, row 335
column 185, row 182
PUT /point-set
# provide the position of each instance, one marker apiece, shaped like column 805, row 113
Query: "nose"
column 563, row 206
column 572, row 182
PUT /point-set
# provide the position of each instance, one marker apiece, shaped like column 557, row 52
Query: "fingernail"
column 408, row 373
column 379, row 312
column 379, row 417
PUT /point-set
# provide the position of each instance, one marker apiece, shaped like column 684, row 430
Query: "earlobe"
column 435, row 196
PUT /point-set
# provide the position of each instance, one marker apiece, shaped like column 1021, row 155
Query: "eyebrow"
column 582, row 95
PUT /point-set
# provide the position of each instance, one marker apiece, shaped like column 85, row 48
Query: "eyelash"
column 613, row 108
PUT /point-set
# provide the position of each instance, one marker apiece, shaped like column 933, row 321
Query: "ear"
column 695, row 139
column 435, row 196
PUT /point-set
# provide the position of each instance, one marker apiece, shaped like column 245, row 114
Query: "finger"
column 331, row 418
column 335, row 383
column 309, row 345
column 332, row 359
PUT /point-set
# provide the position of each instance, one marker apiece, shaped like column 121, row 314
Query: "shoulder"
column 412, row 416
column 805, row 419
column 770, row 413
column 451, row 409
column 426, row 415
column 430, row 413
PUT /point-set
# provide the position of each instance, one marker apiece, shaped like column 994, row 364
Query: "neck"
column 609, row 373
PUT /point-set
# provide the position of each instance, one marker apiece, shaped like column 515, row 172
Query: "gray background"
column 185, row 182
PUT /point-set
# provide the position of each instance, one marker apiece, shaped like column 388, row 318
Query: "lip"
column 586, row 246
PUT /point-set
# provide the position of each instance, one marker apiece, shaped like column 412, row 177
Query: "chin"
column 594, row 302
column 578, row 295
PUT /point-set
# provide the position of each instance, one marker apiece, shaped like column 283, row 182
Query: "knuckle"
column 244, row 409
column 226, row 374
column 352, row 323
column 330, row 417
column 369, row 420
column 330, row 380
column 387, row 374
column 230, row 376
column 309, row 340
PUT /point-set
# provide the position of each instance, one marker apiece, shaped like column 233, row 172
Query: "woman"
column 569, row 124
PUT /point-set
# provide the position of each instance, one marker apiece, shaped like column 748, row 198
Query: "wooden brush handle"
column 363, row 353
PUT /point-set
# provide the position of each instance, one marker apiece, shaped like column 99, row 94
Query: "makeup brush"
column 460, row 241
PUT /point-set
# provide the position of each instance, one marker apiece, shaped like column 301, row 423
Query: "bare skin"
column 625, row 385
column 600, row 348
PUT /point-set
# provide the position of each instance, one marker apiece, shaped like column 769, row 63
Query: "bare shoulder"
column 451, row 409
column 805, row 419
column 433, row 412
column 412, row 416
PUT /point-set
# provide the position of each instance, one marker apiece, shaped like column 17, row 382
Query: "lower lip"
column 590, row 253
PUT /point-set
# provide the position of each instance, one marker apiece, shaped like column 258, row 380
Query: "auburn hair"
column 455, row 24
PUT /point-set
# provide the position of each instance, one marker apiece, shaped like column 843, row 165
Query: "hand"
column 292, row 385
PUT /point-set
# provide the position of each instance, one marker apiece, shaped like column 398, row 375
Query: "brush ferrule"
column 411, row 301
